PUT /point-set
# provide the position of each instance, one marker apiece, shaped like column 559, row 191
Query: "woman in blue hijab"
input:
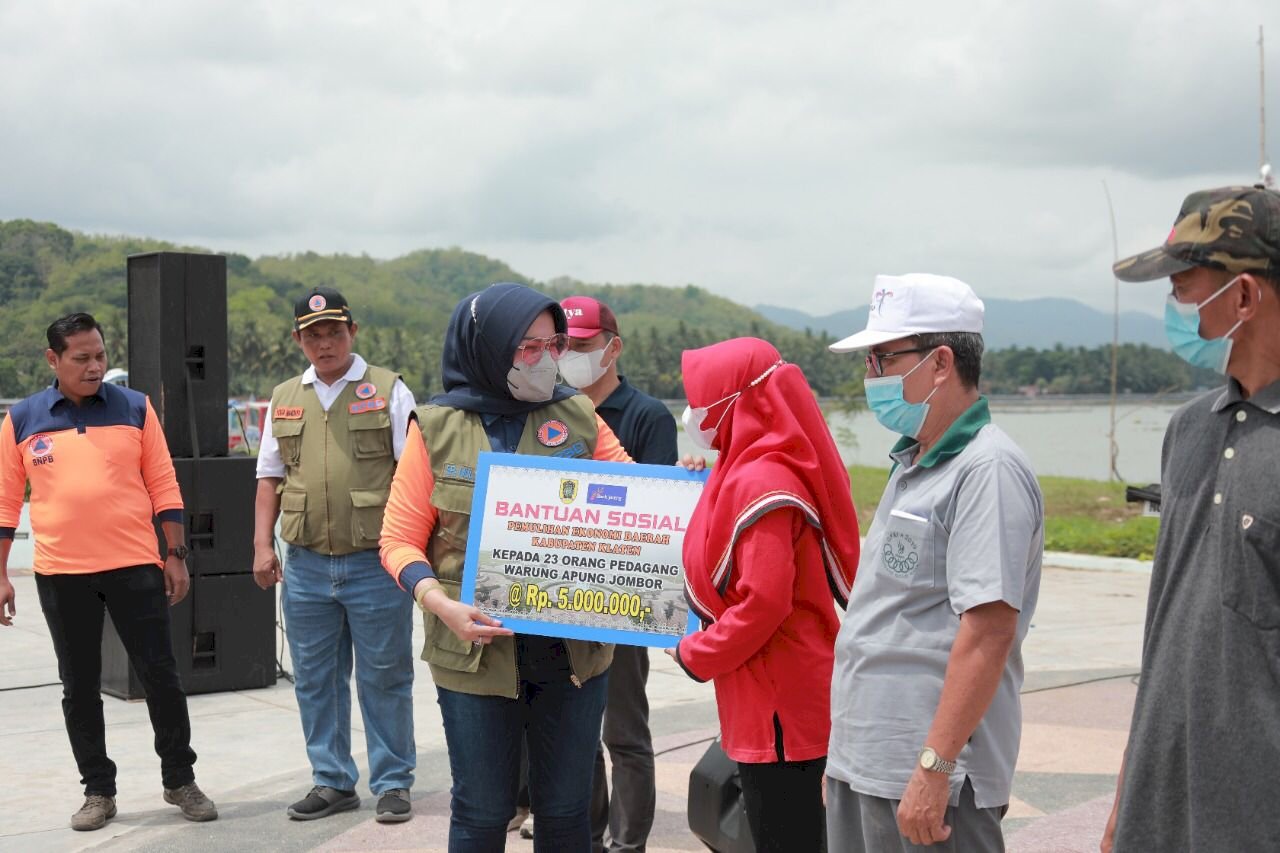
column 497, row 688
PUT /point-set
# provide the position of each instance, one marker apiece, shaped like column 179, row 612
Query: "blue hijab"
column 480, row 344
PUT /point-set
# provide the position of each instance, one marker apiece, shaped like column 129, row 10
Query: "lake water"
column 1064, row 436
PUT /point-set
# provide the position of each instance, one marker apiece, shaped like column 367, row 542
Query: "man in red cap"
column 647, row 431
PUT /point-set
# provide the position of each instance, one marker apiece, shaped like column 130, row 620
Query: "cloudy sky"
column 779, row 152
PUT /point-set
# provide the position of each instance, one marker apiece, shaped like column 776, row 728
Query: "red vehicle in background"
column 245, row 419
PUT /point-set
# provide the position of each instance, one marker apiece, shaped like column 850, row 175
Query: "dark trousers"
column 73, row 606
column 628, row 812
column 784, row 805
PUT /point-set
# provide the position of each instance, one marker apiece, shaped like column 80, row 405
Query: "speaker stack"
column 223, row 631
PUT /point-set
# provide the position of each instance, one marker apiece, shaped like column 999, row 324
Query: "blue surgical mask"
column 884, row 398
column 1182, row 327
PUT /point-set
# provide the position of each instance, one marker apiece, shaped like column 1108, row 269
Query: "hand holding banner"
column 581, row 549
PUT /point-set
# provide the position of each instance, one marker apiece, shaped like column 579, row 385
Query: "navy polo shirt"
column 643, row 425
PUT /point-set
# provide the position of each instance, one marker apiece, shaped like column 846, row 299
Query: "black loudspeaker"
column 178, row 346
column 217, row 497
column 717, row 815
column 223, row 639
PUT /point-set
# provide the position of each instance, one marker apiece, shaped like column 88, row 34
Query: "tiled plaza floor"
column 1080, row 656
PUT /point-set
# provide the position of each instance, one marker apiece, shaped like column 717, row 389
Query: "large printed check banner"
column 581, row 549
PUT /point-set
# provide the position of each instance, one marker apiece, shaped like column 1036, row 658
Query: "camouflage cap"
column 1236, row 229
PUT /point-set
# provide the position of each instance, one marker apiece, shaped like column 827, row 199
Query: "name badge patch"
column 460, row 472
column 367, row 405
column 287, row 413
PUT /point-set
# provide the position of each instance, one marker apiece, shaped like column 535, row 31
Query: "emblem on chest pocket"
column 901, row 553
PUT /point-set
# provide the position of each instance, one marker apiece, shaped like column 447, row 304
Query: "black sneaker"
column 322, row 802
column 393, row 806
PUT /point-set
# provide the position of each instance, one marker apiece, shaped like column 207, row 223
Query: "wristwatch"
column 934, row 763
column 180, row 552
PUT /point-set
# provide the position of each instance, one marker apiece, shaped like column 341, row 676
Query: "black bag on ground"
column 717, row 815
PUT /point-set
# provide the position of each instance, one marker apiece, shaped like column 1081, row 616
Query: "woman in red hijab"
column 772, row 543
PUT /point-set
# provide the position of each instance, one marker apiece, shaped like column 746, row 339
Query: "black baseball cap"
column 322, row 303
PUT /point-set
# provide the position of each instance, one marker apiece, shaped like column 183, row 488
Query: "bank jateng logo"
column 901, row 553
column 598, row 493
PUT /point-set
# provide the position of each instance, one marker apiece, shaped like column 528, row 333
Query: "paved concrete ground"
column 1081, row 655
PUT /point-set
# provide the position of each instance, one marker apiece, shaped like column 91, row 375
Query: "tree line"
column 1141, row 369
column 403, row 305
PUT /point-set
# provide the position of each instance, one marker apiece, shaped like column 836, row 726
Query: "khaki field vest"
column 454, row 440
column 338, row 464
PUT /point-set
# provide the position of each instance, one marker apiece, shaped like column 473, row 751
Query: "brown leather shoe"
column 94, row 814
column 194, row 804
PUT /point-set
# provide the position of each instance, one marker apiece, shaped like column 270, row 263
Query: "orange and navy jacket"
column 99, row 473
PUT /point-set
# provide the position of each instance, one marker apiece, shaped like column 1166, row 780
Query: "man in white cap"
column 926, row 718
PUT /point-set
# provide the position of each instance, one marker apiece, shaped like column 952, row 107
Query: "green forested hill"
column 402, row 306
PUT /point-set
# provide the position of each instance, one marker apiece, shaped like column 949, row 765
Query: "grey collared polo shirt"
column 960, row 527
column 1203, row 759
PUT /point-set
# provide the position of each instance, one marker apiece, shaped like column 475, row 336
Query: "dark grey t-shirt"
column 1203, row 762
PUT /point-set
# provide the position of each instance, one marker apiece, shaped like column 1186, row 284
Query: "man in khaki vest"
column 329, row 449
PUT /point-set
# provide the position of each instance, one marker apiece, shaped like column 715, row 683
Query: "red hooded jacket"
column 772, row 545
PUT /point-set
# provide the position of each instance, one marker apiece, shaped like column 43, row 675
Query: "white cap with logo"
column 916, row 303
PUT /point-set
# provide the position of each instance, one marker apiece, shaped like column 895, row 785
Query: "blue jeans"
column 334, row 606
column 562, row 726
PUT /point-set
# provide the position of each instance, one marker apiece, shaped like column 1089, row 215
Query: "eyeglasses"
column 530, row 352
column 875, row 360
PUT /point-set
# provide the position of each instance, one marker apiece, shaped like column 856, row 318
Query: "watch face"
column 928, row 758
column 180, row 552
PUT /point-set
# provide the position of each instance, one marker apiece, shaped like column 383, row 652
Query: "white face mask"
column 583, row 369
column 533, row 384
column 693, row 418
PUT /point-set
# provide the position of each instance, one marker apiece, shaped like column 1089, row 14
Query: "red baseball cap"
column 588, row 317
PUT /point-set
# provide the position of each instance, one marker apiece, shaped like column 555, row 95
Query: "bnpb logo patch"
column 317, row 303
column 41, row 445
column 366, row 390
column 553, row 433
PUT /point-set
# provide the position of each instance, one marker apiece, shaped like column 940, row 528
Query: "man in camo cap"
column 1204, row 746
